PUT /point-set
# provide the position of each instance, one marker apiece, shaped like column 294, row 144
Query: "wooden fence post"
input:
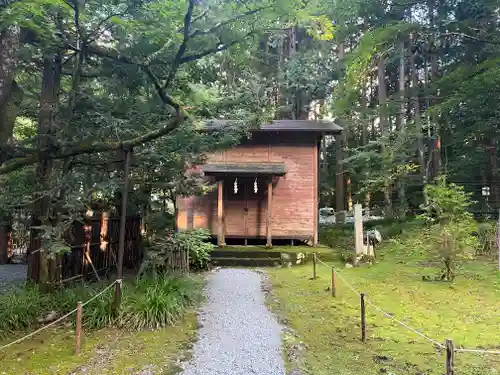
column 450, row 357
column 314, row 266
column 78, row 330
column 334, row 293
column 363, row 318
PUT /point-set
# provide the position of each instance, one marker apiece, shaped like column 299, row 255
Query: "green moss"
column 103, row 352
column 465, row 311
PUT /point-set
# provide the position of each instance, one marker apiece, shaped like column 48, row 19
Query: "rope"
column 405, row 325
column 337, row 273
column 382, row 311
column 478, row 351
column 119, row 281
column 368, row 301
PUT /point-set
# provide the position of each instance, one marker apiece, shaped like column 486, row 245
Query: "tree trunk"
column 49, row 98
column 339, row 155
column 417, row 117
column 364, row 118
column 382, row 96
column 402, row 121
column 493, row 171
column 10, row 93
column 385, row 132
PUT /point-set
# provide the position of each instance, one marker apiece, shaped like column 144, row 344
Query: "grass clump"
column 158, row 303
column 149, row 303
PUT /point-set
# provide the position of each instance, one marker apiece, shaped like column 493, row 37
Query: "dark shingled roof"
column 319, row 126
column 277, row 169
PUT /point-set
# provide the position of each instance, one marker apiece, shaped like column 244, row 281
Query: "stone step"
column 246, row 262
column 246, row 254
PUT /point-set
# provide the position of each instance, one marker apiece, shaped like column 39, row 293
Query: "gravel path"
column 12, row 275
column 239, row 336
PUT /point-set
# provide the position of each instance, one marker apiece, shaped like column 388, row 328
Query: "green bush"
column 447, row 207
column 158, row 303
column 161, row 246
column 148, row 303
column 486, row 237
column 197, row 242
column 21, row 308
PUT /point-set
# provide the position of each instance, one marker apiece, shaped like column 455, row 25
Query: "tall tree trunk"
column 417, row 116
column 10, row 93
column 49, row 98
column 434, row 120
column 493, row 171
column 402, row 120
column 382, row 96
column 372, row 107
column 339, row 154
column 385, row 131
column 364, row 117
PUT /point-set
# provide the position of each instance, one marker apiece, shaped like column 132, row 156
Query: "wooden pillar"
column 269, row 213
column 221, row 241
column 339, row 180
column 316, row 192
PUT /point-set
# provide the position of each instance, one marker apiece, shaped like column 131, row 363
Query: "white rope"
column 59, row 319
column 405, row 325
column 478, row 351
column 382, row 311
column 340, row 277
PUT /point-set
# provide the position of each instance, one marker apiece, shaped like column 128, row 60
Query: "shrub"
column 447, row 206
column 148, row 303
column 21, row 308
column 157, row 303
column 198, row 245
column 486, row 238
column 195, row 241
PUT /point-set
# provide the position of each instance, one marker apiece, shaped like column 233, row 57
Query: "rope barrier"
column 59, row 319
column 390, row 316
column 481, row 351
column 382, row 311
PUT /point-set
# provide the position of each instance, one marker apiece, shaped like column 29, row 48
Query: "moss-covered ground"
column 466, row 311
column 104, row 352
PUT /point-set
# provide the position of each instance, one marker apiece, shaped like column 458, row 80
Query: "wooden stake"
column 314, row 266
column 363, row 318
column 78, row 330
column 333, row 283
column 450, row 357
column 269, row 215
column 89, row 259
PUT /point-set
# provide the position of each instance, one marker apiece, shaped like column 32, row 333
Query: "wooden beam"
column 339, row 180
column 220, row 215
column 269, row 213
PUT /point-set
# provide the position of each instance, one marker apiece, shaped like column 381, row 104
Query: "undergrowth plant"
column 452, row 225
column 147, row 303
column 162, row 244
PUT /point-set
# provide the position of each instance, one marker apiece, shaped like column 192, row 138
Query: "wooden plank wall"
column 97, row 237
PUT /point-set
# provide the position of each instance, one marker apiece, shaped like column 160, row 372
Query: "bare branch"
column 115, row 55
column 227, row 22
column 471, row 37
column 92, row 147
column 182, row 48
column 93, row 35
column 219, row 48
